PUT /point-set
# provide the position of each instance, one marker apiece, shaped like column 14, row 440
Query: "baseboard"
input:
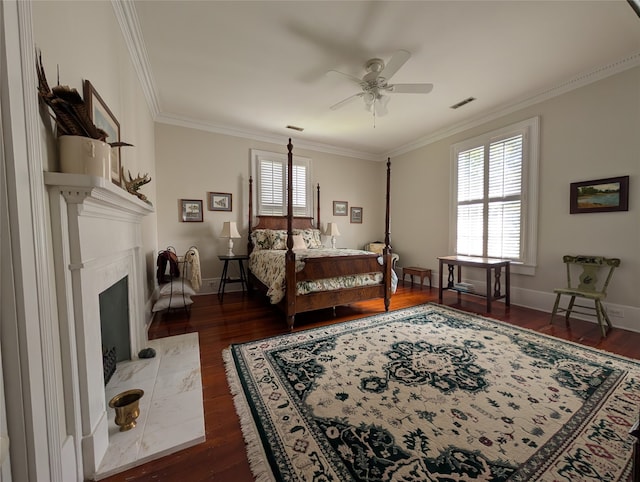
column 543, row 301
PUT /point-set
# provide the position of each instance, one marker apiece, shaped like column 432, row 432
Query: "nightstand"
column 224, row 279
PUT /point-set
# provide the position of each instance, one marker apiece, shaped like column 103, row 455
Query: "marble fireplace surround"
column 97, row 240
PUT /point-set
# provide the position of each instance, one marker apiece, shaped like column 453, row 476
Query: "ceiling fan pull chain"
column 373, row 106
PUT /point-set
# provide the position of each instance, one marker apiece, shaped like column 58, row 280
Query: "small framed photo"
column 600, row 195
column 104, row 119
column 219, row 201
column 191, row 210
column 340, row 208
column 356, row 215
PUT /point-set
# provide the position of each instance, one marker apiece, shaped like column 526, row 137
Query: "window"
column 270, row 175
column 494, row 195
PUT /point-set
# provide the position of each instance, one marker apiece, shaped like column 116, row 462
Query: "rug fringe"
column 255, row 453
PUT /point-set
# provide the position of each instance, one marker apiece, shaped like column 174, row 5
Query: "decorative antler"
column 133, row 185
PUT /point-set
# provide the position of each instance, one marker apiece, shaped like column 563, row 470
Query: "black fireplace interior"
column 114, row 326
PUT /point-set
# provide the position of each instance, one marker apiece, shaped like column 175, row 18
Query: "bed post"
column 387, row 244
column 290, row 258
column 249, row 243
column 318, row 208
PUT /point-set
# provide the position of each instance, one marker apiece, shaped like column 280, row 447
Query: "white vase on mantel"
column 83, row 155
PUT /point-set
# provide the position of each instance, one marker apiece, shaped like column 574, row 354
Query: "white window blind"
column 270, row 171
column 492, row 192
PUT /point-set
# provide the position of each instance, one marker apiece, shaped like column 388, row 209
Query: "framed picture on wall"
column 104, row 119
column 600, row 195
column 191, row 210
column 356, row 215
column 219, row 201
column 340, row 208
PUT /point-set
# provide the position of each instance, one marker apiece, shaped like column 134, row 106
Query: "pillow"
column 171, row 302
column 278, row 239
column 261, row 239
column 317, row 240
column 177, row 287
column 298, row 242
column 311, row 237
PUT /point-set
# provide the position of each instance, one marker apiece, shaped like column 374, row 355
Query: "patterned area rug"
column 432, row 394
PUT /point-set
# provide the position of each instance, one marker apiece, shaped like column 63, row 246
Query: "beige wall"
column 191, row 163
column 588, row 133
column 84, row 40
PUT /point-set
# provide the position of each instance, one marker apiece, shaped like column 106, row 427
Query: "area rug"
column 430, row 393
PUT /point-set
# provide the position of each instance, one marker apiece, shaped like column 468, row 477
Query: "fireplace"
column 114, row 326
column 97, row 242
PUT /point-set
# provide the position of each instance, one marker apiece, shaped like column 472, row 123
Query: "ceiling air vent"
column 296, row 128
column 463, row 102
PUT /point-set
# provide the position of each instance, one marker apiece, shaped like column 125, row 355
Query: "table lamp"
column 230, row 230
column 332, row 230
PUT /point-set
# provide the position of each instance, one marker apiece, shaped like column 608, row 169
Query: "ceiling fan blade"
column 397, row 60
column 350, row 77
column 410, row 88
column 346, row 101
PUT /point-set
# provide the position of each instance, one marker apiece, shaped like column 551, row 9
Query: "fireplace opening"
column 114, row 326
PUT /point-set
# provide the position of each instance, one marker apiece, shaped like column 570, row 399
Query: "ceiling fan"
column 375, row 83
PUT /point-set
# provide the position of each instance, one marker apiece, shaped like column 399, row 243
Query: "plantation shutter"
column 489, row 199
column 272, row 182
column 505, row 198
column 271, row 188
column 471, row 202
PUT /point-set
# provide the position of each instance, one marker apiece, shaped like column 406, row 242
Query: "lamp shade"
column 332, row 229
column 229, row 230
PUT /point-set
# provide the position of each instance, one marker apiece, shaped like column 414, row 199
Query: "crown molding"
column 272, row 138
column 562, row 88
column 127, row 17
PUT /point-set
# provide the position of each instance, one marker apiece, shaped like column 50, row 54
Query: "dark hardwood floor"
column 241, row 318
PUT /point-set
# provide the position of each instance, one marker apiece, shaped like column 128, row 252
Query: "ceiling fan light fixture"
column 369, row 98
column 375, row 86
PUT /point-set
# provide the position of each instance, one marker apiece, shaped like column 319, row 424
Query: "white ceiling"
column 253, row 67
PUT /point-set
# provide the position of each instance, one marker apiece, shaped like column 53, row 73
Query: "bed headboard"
column 280, row 222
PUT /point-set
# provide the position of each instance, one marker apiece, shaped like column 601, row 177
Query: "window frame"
column 530, row 130
column 258, row 155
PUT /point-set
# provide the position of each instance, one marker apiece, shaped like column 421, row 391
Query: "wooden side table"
column 488, row 264
column 415, row 271
column 224, row 279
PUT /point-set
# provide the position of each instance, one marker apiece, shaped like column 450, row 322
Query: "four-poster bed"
column 309, row 276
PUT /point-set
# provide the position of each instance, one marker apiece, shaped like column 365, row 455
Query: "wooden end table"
column 224, row 279
column 488, row 264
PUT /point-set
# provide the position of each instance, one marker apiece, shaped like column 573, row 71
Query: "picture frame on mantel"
column 104, row 119
column 599, row 195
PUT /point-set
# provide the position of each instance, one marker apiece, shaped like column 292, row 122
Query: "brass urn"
column 126, row 405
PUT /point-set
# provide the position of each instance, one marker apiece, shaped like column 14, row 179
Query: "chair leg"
column 570, row 308
column 602, row 318
column 555, row 308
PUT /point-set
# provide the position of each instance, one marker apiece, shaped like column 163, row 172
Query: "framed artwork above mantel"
column 104, row 119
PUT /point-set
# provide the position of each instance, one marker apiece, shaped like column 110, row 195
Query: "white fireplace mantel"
column 97, row 240
column 77, row 187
